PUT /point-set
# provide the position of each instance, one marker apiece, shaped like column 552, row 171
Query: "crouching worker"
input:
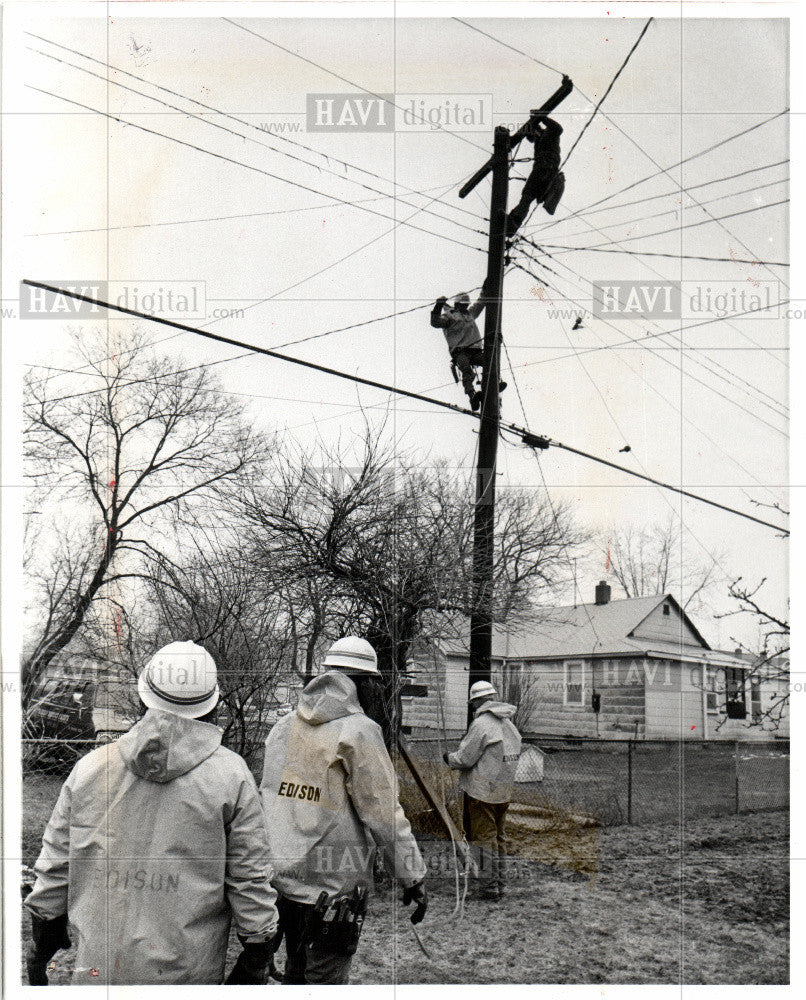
column 329, row 793
column 156, row 844
column 488, row 757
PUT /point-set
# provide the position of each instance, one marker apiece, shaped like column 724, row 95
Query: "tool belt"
column 338, row 922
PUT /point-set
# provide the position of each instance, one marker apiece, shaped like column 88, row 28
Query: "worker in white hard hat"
column 330, row 797
column 465, row 343
column 487, row 758
column 157, row 844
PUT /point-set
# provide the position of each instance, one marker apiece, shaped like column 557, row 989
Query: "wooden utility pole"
column 484, row 529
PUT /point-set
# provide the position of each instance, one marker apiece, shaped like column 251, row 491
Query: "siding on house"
column 619, row 683
column 671, row 627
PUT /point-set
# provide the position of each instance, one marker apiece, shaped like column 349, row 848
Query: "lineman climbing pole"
column 481, row 622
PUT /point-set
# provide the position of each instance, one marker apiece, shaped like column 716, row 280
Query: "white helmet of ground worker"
column 180, row 678
column 482, row 689
column 352, row 653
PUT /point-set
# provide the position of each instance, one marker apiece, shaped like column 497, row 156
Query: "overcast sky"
column 93, row 198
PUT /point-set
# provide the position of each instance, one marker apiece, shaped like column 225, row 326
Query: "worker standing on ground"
column 157, row 842
column 487, row 757
column 465, row 343
column 329, row 794
column 546, row 183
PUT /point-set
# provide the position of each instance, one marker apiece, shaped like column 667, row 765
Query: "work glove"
column 253, row 965
column 441, row 301
column 49, row 936
column 416, row 894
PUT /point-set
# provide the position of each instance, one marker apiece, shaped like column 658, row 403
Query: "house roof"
column 586, row 630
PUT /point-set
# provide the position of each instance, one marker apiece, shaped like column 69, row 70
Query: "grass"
column 697, row 900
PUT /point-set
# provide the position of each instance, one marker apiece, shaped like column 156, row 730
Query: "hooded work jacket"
column 156, row 842
column 460, row 329
column 329, row 794
column 488, row 754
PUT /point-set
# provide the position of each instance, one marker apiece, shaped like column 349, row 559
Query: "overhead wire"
column 255, row 169
column 344, row 79
column 266, row 145
column 662, row 170
column 605, row 94
column 328, row 157
column 512, row 428
column 698, row 360
column 773, row 403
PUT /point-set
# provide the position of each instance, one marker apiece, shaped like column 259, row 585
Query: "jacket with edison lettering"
column 155, row 846
column 488, row 754
column 329, row 795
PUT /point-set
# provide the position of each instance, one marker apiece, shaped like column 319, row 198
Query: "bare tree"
column 142, row 439
column 393, row 543
column 646, row 561
column 215, row 597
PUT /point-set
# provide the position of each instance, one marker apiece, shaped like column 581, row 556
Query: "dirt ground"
column 706, row 904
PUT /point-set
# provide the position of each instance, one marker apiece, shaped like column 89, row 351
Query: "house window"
column 735, row 693
column 711, row 697
column 755, row 699
column 667, row 610
column 574, row 688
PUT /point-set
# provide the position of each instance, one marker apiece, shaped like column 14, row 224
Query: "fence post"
column 629, row 781
column 736, row 777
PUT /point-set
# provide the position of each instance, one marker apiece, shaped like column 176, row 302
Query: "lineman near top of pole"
column 329, row 792
column 487, row 758
column 546, row 182
column 465, row 342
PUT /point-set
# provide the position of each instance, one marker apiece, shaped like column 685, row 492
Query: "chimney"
column 602, row 592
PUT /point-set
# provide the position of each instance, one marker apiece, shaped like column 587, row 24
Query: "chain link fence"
column 566, row 788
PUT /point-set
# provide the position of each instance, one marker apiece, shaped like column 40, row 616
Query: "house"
column 610, row 669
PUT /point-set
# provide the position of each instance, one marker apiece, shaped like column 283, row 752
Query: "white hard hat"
column 180, row 678
column 482, row 689
column 352, row 653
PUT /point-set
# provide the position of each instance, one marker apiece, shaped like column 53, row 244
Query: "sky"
column 704, row 407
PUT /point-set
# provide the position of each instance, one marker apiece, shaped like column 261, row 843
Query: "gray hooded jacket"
column 329, row 791
column 488, row 754
column 156, row 842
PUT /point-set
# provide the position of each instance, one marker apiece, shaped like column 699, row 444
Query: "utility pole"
column 481, row 619
column 484, row 527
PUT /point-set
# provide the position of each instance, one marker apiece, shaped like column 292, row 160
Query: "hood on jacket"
column 331, row 695
column 498, row 708
column 163, row 746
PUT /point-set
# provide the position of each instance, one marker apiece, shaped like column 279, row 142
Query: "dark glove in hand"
column 416, row 894
column 49, row 936
column 252, row 967
column 441, row 300
column 37, row 971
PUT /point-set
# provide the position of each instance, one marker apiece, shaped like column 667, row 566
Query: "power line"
column 223, row 218
column 673, row 166
column 677, row 210
column 240, row 135
column 650, row 385
column 671, row 256
column 562, row 263
column 663, row 333
column 283, row 138
column 688, row 225
column 638, row 146
column 249, row 166
column 604, row 95
column 666, row 194
column 344, row 79
column 522, row 432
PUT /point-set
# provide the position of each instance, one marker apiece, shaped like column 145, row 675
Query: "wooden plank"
column 433, row 799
